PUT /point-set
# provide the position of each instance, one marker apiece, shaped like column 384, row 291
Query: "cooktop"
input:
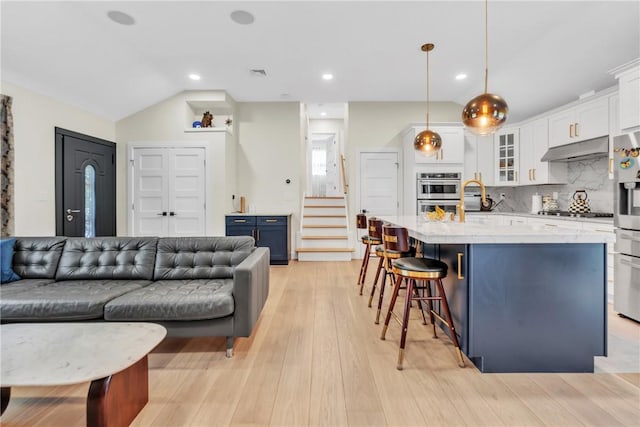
column 577, row 215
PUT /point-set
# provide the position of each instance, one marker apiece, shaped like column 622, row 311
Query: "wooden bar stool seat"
column 368, row 240
column 420, row 274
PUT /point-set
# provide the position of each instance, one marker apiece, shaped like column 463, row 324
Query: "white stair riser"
column 325, row 211
column 324, row 221
column 330, row 243
column 324, row 256
column 324, row 202
column 324, row 231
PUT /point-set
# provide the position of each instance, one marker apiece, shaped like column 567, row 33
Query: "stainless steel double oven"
column 438, row 189
column 626, row 218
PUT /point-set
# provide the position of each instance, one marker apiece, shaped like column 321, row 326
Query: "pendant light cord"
column 427, row 89
column 486, row 44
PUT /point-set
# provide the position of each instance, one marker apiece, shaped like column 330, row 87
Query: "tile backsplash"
column 588, row 175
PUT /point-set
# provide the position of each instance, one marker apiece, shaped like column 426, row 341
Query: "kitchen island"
column 523, row 298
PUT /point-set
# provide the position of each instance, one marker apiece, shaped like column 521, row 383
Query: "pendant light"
column 427, row 142
column 485, row 113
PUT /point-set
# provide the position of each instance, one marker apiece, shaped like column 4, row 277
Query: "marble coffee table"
column 113, row 356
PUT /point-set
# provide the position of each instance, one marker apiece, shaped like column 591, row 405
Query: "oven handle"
column 629, row 263
column 629, row 235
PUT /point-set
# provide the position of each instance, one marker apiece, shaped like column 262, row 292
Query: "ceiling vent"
column 258, row 72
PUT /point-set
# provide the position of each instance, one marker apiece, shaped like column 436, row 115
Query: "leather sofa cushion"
column 201, row 257
column 67, row 300
column 116, row 258
column 21, row 286
column 174, row 300
column 37, row 257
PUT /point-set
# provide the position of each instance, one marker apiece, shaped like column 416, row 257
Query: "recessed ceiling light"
column 194, row 76
column 327, row 76
column 121, row 17
column 461, row 76
column 323, row 113
column 242, row 17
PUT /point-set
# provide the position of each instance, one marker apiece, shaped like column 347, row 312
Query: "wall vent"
column 258, row 72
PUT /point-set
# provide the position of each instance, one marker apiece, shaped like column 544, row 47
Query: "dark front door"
column 85, row 185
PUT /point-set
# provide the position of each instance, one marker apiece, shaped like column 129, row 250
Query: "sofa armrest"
column 250, row 291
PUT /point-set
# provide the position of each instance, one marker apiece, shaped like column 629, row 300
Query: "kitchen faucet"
column 483, row 196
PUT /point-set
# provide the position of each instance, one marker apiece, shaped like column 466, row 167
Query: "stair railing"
column 345, row 186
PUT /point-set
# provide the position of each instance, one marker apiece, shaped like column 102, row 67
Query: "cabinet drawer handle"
column 610, row 165
column 575, row 130
column 480, row 176
column 534, row 174
column 271, row 220
column 460, row 276
column 239, row 220
column 571, row 130
column 258, row 234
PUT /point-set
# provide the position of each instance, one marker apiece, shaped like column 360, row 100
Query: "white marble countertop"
column 43, row 354
column 562, row 218
column 469, row 233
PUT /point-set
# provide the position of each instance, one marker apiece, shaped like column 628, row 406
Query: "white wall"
column 378, row 125
column 269, row 152
column 34, row 119
column 165, row 123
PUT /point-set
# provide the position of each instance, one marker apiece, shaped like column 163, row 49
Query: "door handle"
column 162, row 214
column 172, row 214
column 70, row 211
column 460, row 276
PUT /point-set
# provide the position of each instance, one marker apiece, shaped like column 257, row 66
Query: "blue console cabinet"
column 272, row 231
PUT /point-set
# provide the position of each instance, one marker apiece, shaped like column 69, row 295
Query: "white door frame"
column 359, row 153
column 153, row 144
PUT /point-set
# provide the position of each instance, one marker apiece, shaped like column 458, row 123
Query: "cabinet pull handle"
column 529, row 174
column 575, row 130
column 258, row 234
column 253, row 233
column 480, row 175
column 239, row 220
column 571, row 130
column 271, row 220
column 610, row 165
column 516, row 175
column 534, row 174
column 460, row 276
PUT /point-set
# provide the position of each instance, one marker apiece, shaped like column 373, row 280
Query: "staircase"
column 324, row 232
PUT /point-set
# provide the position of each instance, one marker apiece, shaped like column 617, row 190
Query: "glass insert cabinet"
column 507, row 156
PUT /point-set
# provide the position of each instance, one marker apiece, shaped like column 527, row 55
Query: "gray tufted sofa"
column 205, row 286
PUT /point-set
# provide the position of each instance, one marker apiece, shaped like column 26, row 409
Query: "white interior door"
column 379, row 183
column 186, row 192
column 150, row 189
column 323, row 165
column 168, row 191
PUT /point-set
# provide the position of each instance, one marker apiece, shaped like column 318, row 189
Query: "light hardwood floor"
column 316, row 359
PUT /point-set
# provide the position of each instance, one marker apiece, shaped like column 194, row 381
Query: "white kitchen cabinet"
column 452, row 150
column 608, row 229
column 614, row 128
column 534, row 142
column 506, row 143
column 628, row 76
column 479, row 158
column 583, row 121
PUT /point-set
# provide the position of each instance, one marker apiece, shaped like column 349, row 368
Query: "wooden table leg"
column 116, row 400
column 5, row 395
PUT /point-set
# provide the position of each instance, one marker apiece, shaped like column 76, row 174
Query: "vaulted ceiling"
column 541, row 53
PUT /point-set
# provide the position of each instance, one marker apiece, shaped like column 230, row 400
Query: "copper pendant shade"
column 485, row 113
column 427, row 142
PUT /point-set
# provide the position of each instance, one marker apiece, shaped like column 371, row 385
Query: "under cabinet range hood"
column 583, row 150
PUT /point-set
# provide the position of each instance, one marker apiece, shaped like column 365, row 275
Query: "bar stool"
column 384, row 265
column 411, row 269
column 361, row 223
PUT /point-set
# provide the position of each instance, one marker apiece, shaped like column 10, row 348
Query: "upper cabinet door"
column 629, row 87
column 507, row 156
column 592, row 119
column 580, row 122
column 479, row 158
column 452, row 150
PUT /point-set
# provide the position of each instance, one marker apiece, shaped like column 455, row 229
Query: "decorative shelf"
column 208, row 130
